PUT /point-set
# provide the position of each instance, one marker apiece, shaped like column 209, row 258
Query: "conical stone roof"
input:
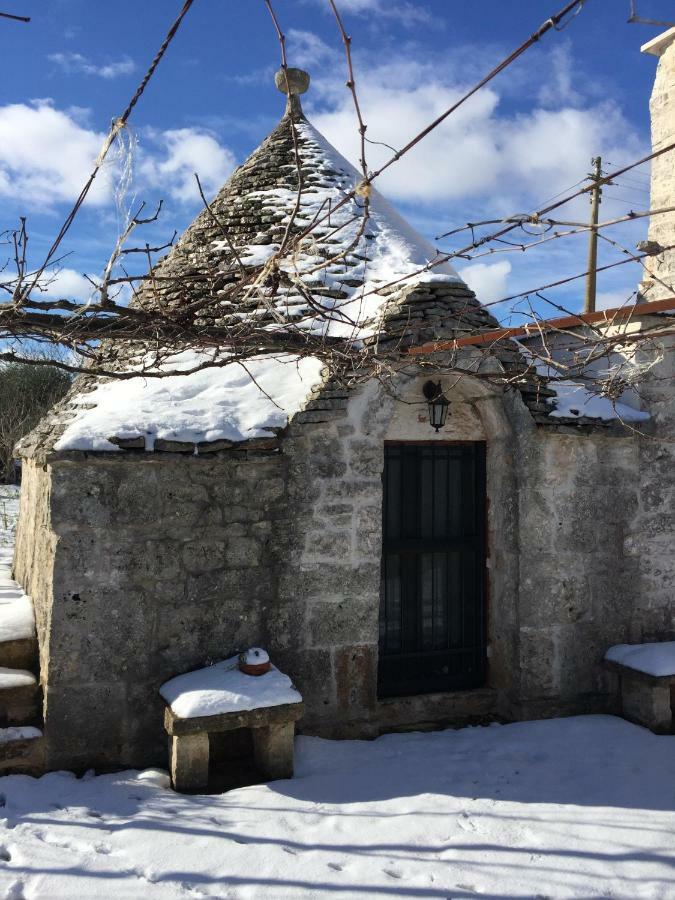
column 371, row 276
column 349, row 264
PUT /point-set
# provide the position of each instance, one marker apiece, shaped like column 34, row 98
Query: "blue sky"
column 531, row 134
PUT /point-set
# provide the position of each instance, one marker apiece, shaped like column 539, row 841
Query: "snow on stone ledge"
column 222, row 403
column 574, row 400
column 14, row 678
column 222, row 688
column 19, row 733
column 653, row 659
column 17, row 620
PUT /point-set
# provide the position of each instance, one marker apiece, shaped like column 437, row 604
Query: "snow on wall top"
column 231, row 403
column 223, row 688
column 653, row 659
column 574, row 400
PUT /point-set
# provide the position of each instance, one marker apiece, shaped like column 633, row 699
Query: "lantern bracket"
column 432, row 390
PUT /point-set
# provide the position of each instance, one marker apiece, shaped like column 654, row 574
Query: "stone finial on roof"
column 292, row 82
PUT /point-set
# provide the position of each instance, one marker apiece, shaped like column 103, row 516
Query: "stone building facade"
column 145, row 562
column 662, row 267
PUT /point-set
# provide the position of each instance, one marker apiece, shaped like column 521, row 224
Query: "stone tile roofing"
column 343, row 263
column 370, row 277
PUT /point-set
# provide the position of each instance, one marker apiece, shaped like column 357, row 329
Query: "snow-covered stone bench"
column 221, row 698
column 647, row 681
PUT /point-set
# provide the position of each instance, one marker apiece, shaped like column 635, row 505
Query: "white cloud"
column 406, row 11
column 487, row 280
column 75, row 63
column 503, row 160
column 182, row 152
column 68, row 283
column 558, row 88
column 612, row 299
column 307, row 49
column 457, row 160
column 59, row 284
column 45, row 155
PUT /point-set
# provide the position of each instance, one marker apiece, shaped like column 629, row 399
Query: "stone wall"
column 36, row 547
column 160, row 563
column 650, row 536
column 577, row 586
column 662, row 111
column 146, row 565
column 329, row 594
column 580, row 549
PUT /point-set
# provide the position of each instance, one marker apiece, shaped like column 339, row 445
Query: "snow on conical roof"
column 342, row 262
column 346, row 264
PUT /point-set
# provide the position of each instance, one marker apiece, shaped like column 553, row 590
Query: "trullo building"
column 403, row 576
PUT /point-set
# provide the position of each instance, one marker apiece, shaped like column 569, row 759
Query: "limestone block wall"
column 161, row 563
column 578, row 587
column 597, row 543
column 579, row 557
column 36, row 546
column 146, row 565
column 326, row 630
column 650, row 537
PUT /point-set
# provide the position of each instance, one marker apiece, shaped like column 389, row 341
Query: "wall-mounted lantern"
column 437, row 403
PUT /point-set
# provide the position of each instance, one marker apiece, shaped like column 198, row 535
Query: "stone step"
column 19, row 697
column 20, row 750
column 21, row 653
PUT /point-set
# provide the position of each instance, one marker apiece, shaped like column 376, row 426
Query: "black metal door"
column 432, row 615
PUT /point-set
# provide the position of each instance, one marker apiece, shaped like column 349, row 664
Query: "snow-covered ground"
column 580, row 807
column 16, row 609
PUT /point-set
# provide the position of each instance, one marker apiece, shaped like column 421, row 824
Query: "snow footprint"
column 336, row 867
column 15, row 891
column 191, row 889
column 392, row 872
column 465, row 822
column 73, row 844
column 5, row 855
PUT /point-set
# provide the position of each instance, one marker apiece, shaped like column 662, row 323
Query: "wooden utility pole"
column 591, row 278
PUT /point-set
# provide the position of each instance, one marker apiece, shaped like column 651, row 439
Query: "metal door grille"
column 432, row 617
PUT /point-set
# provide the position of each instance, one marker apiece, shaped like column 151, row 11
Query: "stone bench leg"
column 647, row 704
column 273, row 750
column 190, row 761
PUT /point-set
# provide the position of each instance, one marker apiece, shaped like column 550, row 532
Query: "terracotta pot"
column 255, row 668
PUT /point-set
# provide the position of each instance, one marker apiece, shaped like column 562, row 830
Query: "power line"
column 561, row 281
column 644, row 185
column 5, row 15
column 552, row 22
column 617, row 199
column 536, row 216
column 117, row 125
column 628, row 187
